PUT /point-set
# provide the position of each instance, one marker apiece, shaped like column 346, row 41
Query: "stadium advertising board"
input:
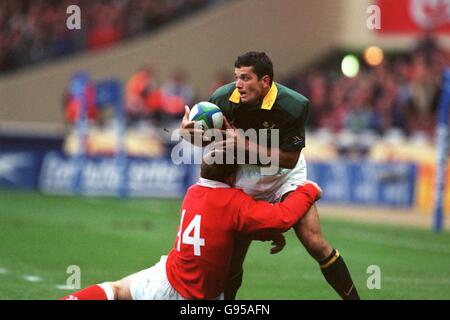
column 365, row 183
column 425, row 194
column 18, row 169
column 153, row 177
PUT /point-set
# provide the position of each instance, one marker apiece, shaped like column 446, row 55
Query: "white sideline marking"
column 394, row 241
column 64, row 287
column 420, row 281
column 32, row 278
column 3, row 270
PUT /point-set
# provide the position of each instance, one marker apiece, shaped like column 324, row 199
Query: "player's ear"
column 266, row 81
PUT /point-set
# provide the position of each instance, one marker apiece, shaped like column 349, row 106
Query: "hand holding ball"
column 207, row 114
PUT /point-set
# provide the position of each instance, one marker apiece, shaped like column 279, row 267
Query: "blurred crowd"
column 400, row 93
column 146, row 99
column 35, row 30
column 399, row 96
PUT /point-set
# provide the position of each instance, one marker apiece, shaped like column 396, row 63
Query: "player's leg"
column 121, row 288
column 102, row 291
column 147, row 284
column 114, row 290
column 241, row 245
column 331, row 262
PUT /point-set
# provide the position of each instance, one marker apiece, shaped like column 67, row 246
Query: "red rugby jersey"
column 211, row 214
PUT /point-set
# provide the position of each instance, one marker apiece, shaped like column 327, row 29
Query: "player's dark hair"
column 260, row 61
column 215, row 171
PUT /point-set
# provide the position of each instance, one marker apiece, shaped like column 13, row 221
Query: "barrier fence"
column 363, row 183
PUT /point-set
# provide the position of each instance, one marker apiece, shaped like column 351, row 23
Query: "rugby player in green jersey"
column 255, row 101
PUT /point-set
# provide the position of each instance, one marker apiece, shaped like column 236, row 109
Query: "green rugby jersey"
column 282, row 108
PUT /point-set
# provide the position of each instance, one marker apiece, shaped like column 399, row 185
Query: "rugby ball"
column 206, row 114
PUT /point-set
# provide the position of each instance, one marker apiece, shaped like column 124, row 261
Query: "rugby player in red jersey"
column 211, row 215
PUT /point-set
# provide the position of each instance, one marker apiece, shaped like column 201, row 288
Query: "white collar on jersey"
column 212, row 183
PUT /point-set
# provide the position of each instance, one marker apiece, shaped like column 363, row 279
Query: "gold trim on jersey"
column 268, row 100
column 235, row 96
column 270, row 97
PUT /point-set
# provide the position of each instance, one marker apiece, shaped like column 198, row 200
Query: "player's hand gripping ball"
column 206, row 114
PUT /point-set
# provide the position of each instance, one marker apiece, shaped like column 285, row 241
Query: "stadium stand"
column 32, row 31
column 385, row 114
column 400, row 93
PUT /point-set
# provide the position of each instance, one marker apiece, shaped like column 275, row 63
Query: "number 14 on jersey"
column 195, row 240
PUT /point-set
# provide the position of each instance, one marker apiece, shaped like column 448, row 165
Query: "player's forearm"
column 296, row 205
column 280, row 217
column 194, row 136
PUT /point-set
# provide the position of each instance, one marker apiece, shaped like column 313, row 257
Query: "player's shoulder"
column 223, row 92
column 292, row 101
column 241, row 195
column 233, row 192
column 289, row 94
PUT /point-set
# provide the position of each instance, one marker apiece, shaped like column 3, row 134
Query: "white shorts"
column 152, row 284
column 271, row 187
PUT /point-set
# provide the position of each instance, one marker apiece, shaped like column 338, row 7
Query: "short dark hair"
column 260, row 61
column 215, row 171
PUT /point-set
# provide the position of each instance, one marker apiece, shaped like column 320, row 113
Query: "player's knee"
column 121, row 290
column 110, row 288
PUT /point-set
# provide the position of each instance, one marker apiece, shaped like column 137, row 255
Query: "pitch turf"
column 108, row 238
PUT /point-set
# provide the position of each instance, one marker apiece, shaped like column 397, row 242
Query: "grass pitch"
column 41, row 236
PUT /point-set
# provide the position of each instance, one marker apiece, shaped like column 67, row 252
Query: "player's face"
column 251, row 89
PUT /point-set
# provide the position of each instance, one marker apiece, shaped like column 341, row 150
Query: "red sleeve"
column 261, row 215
